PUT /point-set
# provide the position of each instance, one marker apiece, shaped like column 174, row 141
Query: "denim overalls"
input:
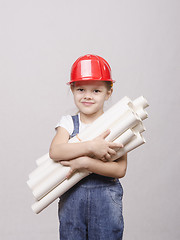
column 92, row 209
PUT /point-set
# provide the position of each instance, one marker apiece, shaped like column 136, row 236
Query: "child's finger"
column 103, row 159
column 108, row 156
column 65, row 163
column 105, row 134
column 115, row 145
column 111, row 151
column 70, row 173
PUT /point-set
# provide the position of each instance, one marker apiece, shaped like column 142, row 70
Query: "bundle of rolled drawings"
column 124, row 119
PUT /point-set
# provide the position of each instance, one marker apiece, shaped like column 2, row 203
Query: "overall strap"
column 76, row 125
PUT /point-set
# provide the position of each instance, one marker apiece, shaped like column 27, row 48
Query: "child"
column 92, row 209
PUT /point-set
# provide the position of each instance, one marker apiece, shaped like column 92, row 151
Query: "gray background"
column 40, row 40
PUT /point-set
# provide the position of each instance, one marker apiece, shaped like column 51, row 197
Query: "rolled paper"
column 42, row 159
column 38, row 206
column 139, row 128
column 142, row 113
column 122, row 107
column 64, row 186
column 37, row 179
column 140, row 102
column 103, row 122
column 134, row 143
column 57, row 176
column 110, row 119
column 60, row 172
column 41, row 168
column 113, row 109
column 129, row 120
column 107, row 123
column 33, row 182
column 125, row 137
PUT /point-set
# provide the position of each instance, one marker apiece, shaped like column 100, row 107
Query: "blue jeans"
column 92, row 210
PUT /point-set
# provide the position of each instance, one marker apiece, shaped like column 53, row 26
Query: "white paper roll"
column 41, row 168
column 38, row 206
column 128, row 120
column 105, row 120
column 139, row 128
column 142, row 113
column 140, row 102
column 125, row 137
column 55, row 178
column 118, row 109
column 107, row 123
column 118, row 118
column 42, row 159
column 134, row 143
column 37, row 179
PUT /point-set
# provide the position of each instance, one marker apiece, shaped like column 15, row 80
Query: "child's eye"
column 96, row 91
column 80, row 89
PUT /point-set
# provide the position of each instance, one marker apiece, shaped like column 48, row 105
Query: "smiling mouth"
column 87, row 103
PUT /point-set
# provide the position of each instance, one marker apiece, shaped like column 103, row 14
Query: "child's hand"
column 75, row 164
column 103, row 149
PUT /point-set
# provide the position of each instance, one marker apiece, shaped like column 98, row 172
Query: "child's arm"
column 116, row 169
column 60, row 149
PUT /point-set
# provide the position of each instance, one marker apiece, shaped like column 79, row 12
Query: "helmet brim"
column 85, row 80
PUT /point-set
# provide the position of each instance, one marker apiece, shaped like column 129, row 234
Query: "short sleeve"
column 67, row 123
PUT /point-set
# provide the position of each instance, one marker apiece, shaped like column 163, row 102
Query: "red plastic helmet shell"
column 90, row 67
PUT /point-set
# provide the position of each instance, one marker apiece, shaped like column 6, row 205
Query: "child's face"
column 90, row 96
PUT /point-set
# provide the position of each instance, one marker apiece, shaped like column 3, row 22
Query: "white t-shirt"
column 67, row 123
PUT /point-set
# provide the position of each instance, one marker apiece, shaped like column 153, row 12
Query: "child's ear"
column 109, row 93
column 72, row 88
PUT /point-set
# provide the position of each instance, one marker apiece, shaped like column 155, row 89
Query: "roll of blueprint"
column 42, row 159
column 68, row 183
column 56, row 177
column 140, row 102
column 139, row 128
column 38, row 178
column 38, row 206
column 124, row 119
column 142, row 113
column 40, row 169
column 137, row 141
column 105, row 117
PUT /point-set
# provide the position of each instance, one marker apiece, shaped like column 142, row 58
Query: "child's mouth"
column 87, row 103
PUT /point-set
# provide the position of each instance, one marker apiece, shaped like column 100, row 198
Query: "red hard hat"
column 90, row 67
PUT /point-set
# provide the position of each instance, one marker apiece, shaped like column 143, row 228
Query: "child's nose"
column 87, row 95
